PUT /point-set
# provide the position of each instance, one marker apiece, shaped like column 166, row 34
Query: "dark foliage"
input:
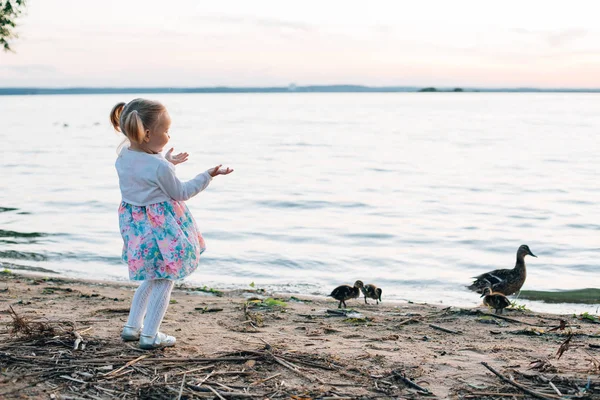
column 9, row 12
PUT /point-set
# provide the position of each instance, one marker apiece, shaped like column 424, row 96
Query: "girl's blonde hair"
column 133, row 118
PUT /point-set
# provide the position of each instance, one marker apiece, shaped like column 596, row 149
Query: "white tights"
column 150, row 299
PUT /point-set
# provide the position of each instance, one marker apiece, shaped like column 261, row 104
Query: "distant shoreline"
column 12, row 91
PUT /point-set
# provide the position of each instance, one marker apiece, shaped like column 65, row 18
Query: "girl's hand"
column 176, row 159
column 219, row 171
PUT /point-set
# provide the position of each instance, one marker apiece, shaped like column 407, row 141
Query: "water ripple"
column 14, row 234
column 309, row 204
column 593, row 227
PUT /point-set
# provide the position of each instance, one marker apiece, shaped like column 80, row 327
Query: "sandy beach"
column 62, row 342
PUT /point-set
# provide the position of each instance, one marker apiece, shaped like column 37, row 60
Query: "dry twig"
column 563, row 347
column 410, row 383
column 441, row 328
column 515, row 384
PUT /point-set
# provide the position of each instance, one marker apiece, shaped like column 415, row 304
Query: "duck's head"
column 524, row 251
column 378, row 291
column 359, row 284
column 486, row 291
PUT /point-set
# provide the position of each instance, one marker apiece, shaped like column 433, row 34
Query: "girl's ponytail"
column 115, row 116
column 134, row 127
column 134, row 118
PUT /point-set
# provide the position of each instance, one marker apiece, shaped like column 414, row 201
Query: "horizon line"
column 291, row 88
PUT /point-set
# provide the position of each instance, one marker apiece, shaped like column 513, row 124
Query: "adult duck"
column 505, row 281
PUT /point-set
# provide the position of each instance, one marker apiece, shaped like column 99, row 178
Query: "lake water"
column 416, row 192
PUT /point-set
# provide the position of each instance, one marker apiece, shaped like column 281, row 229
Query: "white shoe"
column 129, row 333
column 157, row 341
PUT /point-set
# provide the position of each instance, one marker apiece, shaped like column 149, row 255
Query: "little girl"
column 161, row 240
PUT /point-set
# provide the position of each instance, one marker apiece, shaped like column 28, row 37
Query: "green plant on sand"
column 519, row 307
column 206, row 289
column 589, row 317
column 267, row 303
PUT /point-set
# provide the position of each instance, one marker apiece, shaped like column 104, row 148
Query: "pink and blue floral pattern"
column 160, row 241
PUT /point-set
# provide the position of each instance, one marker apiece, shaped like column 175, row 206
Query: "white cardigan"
column 146, row 179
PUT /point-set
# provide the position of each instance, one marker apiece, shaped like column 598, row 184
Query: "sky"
column 191, row 43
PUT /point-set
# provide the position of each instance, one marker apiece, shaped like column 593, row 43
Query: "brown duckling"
column 495, row 300
column 505, row 281
column 347, row 292
column 372, row 292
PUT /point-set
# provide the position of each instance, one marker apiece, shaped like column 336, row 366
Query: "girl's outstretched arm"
column 182, row 191
column 178, row 190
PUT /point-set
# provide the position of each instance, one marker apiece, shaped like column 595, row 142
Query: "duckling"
column 497, row 301
column 347, row 292
column 372, row 292
column 504, row 281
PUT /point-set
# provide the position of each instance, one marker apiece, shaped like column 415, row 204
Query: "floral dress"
column 161, row 241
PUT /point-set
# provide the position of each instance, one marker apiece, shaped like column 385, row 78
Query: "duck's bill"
column 532, row 255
